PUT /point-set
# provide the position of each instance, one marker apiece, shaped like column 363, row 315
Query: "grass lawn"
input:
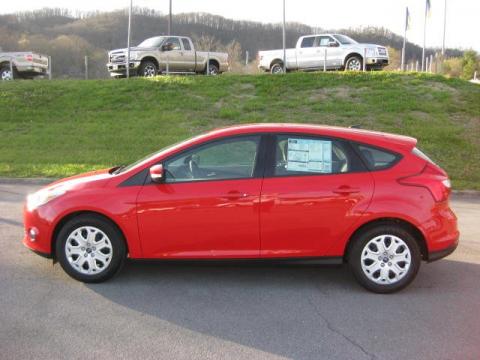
column 62, row 127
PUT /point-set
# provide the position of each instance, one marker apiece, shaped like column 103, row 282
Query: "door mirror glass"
column 157, row 173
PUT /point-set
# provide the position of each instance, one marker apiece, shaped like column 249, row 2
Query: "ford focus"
column 278, row 192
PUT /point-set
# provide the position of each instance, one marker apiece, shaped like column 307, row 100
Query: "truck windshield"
column 152, row 42
column 345, row 40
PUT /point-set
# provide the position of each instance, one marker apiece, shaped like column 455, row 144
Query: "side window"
column 377, row 159
column 186, row 44
column 296, row 155
column 233, row 158
column 175, row 42
column 324, row 40
column 307, row 42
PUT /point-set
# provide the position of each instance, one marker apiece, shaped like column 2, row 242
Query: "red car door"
column 209, row 204
column 314, row 191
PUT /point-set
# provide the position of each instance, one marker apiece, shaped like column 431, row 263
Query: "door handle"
column 235, row 195
column 345, row 190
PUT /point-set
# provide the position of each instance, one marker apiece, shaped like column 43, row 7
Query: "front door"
column 314, row 191
column 209, row 204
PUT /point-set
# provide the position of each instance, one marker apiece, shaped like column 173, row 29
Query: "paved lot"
column 232, row 312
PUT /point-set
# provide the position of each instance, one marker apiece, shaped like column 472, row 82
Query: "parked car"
column 293, row 193
column 25, row 65
column 342, row 52
column 155, row 54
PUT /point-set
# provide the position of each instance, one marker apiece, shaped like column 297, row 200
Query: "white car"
column 340, row 52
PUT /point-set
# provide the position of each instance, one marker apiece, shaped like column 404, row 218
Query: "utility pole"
column 169, row 17
column 128, row 38
column 444, row 27
column 284, row 42
column 427, row 9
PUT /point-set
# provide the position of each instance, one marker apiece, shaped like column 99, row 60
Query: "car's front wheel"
column 148, row 69
column 354, row 63
column 90, row 248
column 384, row 258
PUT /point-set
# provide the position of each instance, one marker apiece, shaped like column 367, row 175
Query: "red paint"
column 264, row 217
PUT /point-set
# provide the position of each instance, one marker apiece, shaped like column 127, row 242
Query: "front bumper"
column 116, row 69
column 40, row 220
column 378, row 62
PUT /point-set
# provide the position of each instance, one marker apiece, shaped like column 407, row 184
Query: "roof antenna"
column 356, row 126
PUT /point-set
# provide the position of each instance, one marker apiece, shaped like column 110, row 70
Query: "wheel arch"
column 152, row 59
column 350, row 55
column 215, row 62
column 276, row 61
column 66, row 218
column 408, row 226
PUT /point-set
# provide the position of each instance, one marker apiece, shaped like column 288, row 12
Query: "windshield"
column 124, row 168
column 152, row 42
column 345, row 40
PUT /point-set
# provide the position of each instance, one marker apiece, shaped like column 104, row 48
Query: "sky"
column 463, row 16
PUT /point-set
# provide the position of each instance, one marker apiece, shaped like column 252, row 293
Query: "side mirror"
column 167, row 47
column 332, row 44
column 157, row 173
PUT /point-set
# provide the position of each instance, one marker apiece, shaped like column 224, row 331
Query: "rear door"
column 315, row 189
column 307, row 56
column 188, row 57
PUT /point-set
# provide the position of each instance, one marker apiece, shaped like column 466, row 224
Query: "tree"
column 469, row 64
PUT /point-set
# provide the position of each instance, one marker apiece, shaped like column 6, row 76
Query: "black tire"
column 276, row 68
column 354, row 63
column 5, row 71
column 117, row 252
column 148, row 69
column 213, row 69
column 358, row 247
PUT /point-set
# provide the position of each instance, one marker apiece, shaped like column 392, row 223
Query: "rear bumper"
column 440, row 254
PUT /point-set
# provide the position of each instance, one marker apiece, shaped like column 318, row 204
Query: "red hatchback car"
column 301, row 193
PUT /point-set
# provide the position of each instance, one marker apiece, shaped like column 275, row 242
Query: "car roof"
column 377, row 138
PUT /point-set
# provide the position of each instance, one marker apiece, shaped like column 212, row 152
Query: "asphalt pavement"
column 160, row 311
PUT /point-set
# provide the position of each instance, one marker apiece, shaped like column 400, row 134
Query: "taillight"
column 29, row 57
column 432, row 178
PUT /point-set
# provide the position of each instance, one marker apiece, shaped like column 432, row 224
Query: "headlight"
column 42, row 197
column 371, row 52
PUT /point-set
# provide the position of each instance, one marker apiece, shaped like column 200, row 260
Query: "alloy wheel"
column 88, row 250
column 386, row 259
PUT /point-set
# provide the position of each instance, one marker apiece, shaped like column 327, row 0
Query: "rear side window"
column 377, row 159
column 298, row 155
column 308, row 42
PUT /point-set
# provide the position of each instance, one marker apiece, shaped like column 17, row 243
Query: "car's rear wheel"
column 354, row 63
column 213, row 69
column 6, row 73
column 276, row 68
column 90, row 248
column 384, row 258
column 148, row 69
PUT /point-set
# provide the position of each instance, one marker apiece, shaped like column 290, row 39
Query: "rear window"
column 377, row 159
column 421, row 154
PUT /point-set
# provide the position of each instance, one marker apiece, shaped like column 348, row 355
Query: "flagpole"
column 444, row 27
column 424, row 35
column 404, row 40
column 284, row 41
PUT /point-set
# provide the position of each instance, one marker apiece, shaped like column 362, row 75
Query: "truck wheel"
column 6, row 74
column 354, row 63
column 277, row 68
column 148, row 69
column 213, row 69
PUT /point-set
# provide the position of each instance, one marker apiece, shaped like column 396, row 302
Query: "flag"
column 407, row 20
column 428, row 6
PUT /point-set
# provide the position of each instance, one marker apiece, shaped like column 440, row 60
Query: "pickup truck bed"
column 26, row 65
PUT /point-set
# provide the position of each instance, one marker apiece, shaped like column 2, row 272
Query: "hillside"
column 58, row 128
column 68, row 38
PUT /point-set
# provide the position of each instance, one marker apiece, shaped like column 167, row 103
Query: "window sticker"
column 309, row 155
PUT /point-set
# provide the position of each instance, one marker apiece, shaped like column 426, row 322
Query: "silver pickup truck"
column 155, row 54
column 25, row 65
column 342, row 52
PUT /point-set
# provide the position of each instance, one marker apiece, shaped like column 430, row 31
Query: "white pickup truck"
column 340, row 52
column 177, row 53
column 25, row 65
